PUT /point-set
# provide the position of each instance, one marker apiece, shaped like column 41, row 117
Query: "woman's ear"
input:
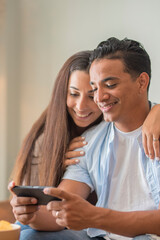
column 143, row 81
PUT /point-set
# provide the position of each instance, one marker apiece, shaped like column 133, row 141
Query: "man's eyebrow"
column 106, row 79
column 109, row 78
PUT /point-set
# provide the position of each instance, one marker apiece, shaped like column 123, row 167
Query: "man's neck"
column 135, row 120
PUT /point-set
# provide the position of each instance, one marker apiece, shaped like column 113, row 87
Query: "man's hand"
column 72, row 212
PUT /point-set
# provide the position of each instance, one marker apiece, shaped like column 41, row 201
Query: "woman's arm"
column 27, row 212
column 151, row 133
column 25, row 209
column 44, row 221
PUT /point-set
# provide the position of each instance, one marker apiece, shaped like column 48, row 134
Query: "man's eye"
column 111, row 85
column 91, row 97
column 94, row 89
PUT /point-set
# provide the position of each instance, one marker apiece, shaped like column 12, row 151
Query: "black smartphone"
column 36, row 192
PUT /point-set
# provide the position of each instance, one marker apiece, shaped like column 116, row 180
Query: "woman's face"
column 80, row 104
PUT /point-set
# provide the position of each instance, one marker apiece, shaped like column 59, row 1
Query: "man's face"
column 115, row 91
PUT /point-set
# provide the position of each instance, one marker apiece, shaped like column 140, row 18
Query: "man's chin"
column 108, row 118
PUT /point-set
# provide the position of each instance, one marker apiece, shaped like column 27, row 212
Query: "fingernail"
column 10, row 185
column 84, row 142
column 33, row 200
column 77, row 161
column 83, row 137
column 147, row 156
column 81, row 152
column 46, row 190
column 157, row 158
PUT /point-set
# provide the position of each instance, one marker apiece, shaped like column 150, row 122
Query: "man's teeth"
column 107, row 105
column 82, row 115
column 111, row 104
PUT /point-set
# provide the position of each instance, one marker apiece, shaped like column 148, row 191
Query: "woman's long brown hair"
column 56, row 125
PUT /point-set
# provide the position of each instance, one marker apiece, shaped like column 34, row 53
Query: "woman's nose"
column 81, row 104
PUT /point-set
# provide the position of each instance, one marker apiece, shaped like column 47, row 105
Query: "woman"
column 48, row 139
column 42, row 158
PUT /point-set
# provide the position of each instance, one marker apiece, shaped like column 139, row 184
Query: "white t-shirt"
column 127, row 157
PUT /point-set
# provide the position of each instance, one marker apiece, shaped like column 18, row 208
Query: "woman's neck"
column 77, row 131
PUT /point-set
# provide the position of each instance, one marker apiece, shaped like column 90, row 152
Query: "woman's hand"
column 24, row 208
column 71, row 155
column 151, row 133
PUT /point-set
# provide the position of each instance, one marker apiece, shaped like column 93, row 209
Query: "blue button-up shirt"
column 93, row 168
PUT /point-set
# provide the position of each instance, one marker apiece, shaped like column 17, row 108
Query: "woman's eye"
column 73, row 94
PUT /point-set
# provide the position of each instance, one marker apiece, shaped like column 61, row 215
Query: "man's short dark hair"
column 135, row 58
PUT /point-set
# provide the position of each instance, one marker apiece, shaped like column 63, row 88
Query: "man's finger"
column 56, row 192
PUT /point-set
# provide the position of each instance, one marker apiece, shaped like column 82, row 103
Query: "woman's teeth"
column 82, row 115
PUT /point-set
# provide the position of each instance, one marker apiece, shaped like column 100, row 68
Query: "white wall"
column 40, row 35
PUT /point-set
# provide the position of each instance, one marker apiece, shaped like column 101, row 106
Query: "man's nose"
column 100, row 95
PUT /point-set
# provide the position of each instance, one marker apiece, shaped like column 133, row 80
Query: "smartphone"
column 36, row 192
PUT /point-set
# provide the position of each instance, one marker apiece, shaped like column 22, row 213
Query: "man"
column 115, row 166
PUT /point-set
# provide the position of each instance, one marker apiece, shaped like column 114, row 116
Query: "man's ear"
column 143, row 81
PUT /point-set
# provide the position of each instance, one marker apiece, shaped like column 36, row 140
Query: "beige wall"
column 38, row 36
column 3, row 87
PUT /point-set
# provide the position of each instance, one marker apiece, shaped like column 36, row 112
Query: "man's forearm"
column 126, row 223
